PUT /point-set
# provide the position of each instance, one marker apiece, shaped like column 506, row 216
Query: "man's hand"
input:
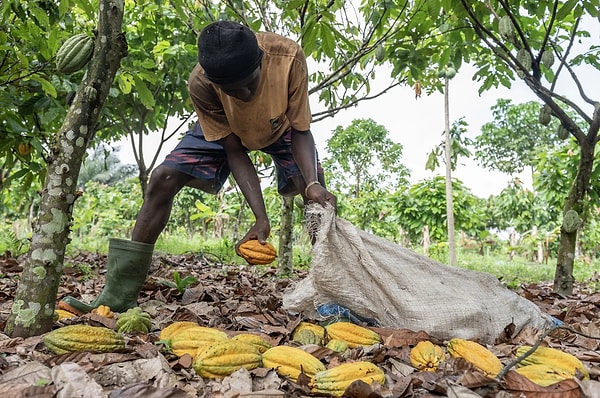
column 319, row 194
column 260, row 231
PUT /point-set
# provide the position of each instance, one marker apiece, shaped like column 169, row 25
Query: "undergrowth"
column 511, row 271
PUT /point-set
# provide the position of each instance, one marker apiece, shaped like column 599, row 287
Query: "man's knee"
column 208, row 186
column 165, row 181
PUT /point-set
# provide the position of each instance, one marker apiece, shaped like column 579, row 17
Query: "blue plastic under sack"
column 337, row 312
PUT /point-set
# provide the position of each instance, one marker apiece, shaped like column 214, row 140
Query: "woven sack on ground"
column 378, row 279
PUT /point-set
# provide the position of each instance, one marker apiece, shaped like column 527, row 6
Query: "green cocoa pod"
column 450, row 72
column 562, row 132
column 134, row 320
column 547, row 58
column 506, row 27
column 74, row 53
column 524, row 58
column 571, row 221
column 545, row 116
column 380, row 53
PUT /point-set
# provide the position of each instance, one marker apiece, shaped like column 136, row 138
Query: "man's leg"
column 129, row 260
column 194, row 162
column 154, row 214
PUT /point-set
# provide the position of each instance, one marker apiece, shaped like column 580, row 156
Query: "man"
column 250, row 92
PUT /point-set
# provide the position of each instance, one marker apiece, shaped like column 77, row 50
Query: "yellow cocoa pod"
column 255, row 252
column 104, row 311
column 306, row 336
column 554, row 358
column 318, row 330
column 258, row 342
column 543, row 375
column 336, row 380
column 426, row 356
column 222, row 358
column 291, row 361
column 63, row 314
column 476, row 354
column 75, row 338
column 353, row 334
column 175, row 328
column 189, row 340
column 337, row 345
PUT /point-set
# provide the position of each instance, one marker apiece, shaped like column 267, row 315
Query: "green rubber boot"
column 128, row 264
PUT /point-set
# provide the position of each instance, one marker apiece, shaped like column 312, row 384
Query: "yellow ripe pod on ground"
column 544, row 375
column 353, row 334
column 63, row 314
column 318, row 330
column 476, row 354
column 222, row 358
column 104, row 311
column 258, row 342
column 255, row 252
column 553, row 357
column 189, row 340
column 426, row 356
column 291, row 361
column 337, row 345
column 336, row 380
column 76, row 338
column 175, row 328
column 306, row 336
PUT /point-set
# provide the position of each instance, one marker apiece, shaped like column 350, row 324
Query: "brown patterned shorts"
column 206, row 160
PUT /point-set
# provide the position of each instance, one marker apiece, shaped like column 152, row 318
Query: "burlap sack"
column 378, row 279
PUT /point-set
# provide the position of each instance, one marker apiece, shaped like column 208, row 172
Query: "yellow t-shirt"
column 281, row 99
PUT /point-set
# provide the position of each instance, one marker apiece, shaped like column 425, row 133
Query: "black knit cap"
column 228, row 52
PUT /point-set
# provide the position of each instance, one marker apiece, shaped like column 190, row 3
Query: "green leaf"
column 145, row 95
column 87, row 7
column 48, row 87
column 39, row 14
column 566, row 9
column 161, row 47
column 124, row 80
column 432, row 161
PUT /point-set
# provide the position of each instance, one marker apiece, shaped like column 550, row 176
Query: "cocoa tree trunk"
column 426, row 240
column 563, row 277
column 286, row 254
column 33, row 308
column 452, row 256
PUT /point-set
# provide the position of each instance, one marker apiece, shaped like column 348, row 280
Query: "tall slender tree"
column 33, row 308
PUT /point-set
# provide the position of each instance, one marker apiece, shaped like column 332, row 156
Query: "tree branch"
column 318, row 116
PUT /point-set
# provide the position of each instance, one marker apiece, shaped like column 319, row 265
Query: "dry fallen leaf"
column 516, row 383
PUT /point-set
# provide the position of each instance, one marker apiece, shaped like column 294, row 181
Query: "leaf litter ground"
column 237, row 299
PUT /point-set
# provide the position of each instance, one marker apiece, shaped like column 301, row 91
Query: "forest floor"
column 241, row 299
